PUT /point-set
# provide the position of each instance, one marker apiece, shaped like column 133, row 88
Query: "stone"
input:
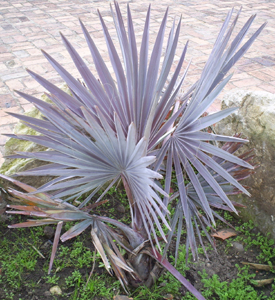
column 56, row 290
column 238, row 247
column 255, row 119
column 12, row 166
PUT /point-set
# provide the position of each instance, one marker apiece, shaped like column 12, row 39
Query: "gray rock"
column 256, row 120
column 238, row 247
column 12, row 166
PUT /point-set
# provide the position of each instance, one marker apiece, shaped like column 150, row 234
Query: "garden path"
column 26, row 26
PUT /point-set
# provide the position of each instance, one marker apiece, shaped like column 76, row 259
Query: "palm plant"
column 137, row 129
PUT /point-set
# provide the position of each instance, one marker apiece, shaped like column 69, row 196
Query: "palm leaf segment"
column 194, row 203
column 58, row 212
column 111, row 128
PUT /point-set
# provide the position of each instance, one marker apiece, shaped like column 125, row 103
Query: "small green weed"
column 239, row 288
column 96, row 286
column 17, row 258
column 77, row 256
column 23, row 258
column 52, row 279
column 264, row 243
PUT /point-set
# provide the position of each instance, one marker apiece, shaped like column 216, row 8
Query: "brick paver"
column 26, row 26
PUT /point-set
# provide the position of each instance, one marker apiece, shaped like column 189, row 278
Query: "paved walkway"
column 26, row 26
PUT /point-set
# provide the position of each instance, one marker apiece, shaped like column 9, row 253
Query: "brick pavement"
column 26, row 26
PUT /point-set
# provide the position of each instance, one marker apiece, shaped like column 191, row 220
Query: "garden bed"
column 25, row 254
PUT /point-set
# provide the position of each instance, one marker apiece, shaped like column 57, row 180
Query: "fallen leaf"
column 259, row 266
column 122, row 297
column 224, row 234
column 262, row 282
column 168, row 297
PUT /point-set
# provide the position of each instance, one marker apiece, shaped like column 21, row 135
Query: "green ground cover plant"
column 17, row 275
column 267, row 254
column 135, row 129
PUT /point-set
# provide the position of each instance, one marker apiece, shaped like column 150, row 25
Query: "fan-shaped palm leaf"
column 195, row 204
column 128, row 126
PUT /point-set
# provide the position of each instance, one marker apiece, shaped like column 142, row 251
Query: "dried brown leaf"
column 122, row 297
column 224, row 234
column 259, row 266
column 262, row 282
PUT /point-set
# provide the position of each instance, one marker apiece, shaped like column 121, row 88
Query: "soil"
column 221, row 262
